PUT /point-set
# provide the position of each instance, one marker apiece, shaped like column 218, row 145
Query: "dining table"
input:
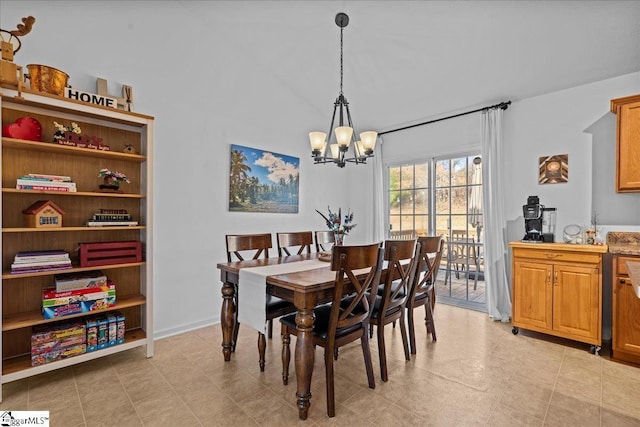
column 305, row 289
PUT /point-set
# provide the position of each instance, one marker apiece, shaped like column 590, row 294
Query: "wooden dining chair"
column 256, row 245
column 422, row 290
column 336, row 324
column 287, row 242
column 324, row 240
column 401, row 257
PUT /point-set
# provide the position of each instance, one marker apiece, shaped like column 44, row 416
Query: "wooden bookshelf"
column 22, row 293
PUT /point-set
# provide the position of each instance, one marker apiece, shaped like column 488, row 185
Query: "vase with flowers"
column 341, row 226
column 111, row 179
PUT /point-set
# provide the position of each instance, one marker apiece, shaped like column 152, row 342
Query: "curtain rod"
column 502, row 105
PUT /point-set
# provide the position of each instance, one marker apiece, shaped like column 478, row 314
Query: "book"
column 46, row 188
column 30, row 257
column 83, row 280
column 111, row 223
column 45, row 258
column 39, row 264
column 45, row 252
column 45, row 182
column 40, row 269
column 24, row 255
column 48, row 177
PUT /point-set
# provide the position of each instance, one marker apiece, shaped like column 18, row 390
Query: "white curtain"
column 495, row 246
column 378, row 194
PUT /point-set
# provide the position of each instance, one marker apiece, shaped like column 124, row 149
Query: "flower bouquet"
column 339, row 225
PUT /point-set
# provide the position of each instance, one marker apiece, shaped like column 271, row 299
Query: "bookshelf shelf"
column 68, row 229
column 20, row 367
column 74, row 194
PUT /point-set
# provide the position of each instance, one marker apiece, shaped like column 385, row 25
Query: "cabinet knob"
column 622, row 281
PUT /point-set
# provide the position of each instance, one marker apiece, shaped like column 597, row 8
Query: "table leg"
column 227, row 319
column 304, row 359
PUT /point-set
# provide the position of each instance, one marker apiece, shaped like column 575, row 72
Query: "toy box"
column 52, row 356
column 73, row 281
column 92, row 333
column 43, row 334
column 112, row 328
column 103, row 332
column 59, row 304
column 57, row 341
column 120, row 327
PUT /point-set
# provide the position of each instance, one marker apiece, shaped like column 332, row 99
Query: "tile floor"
column 477, row 373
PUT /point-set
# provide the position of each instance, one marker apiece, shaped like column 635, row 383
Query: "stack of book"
column 32, row 262
column 42, row 182
column 111, row 218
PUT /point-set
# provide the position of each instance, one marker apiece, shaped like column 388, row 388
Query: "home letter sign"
column 91, row 98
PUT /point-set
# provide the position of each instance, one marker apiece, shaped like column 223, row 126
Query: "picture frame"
column 262, row 181
column 553, row 169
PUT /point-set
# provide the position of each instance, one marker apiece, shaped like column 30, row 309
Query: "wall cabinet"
column 626, row 313
column 557, row 290
column 627, row 143
column 22, row 293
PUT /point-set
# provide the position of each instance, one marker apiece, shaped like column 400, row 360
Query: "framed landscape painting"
column 263, row 181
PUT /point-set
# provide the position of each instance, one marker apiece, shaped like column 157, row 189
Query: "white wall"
column 559, row 123
column 192, row 74
column 448, row 137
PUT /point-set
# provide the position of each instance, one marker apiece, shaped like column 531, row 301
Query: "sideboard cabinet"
column 129, row 136
column 627, row 111
column 557, row 290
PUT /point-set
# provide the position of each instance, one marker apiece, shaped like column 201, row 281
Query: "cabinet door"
column 628, row 147
column 576, row 301
column 626, row 321
column 532, row 295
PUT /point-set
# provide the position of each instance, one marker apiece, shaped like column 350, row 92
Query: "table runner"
column 252, row 289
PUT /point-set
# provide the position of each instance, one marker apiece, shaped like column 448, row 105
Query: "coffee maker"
column 539, row 222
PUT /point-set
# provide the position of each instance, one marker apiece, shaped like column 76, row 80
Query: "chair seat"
column 276, row 304
column 321, row 325
column 376, row 306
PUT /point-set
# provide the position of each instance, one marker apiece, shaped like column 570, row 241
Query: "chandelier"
column 344, row 134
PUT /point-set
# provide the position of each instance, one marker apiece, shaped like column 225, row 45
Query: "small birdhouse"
column 43, row 214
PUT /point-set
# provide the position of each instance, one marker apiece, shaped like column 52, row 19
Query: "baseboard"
column 169, row 332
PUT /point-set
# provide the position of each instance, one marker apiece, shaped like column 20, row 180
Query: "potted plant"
column 111, row 180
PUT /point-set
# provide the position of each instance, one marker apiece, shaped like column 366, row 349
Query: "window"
column 409, row 201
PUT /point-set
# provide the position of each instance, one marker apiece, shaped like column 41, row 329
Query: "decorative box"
column 104, row 253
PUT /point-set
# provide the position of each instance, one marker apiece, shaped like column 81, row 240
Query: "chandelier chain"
column 341, row 67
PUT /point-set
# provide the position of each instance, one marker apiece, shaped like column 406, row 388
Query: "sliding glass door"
column 443, row 196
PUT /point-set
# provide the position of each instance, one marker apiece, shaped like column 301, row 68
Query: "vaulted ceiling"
column 405, row 61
